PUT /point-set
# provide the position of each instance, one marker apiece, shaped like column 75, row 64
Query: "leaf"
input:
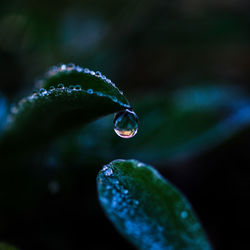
column 79, row 97
column 147, row 209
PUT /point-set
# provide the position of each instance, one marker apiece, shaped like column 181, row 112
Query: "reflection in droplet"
column 126, row 123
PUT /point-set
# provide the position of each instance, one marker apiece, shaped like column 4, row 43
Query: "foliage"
column 78, row 97
column 147, row 209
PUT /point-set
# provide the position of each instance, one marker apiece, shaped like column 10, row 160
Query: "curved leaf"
column 79, row 97
column 147, row 209
column 91, row 81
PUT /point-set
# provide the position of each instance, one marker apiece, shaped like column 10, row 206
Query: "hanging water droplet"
column 90, row 91
column 126, row 123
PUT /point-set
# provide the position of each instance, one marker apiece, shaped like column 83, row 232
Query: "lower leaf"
column 147, row 209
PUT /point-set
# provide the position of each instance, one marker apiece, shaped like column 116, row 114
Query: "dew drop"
column 63, row 67
column 98, row 73
column 86, row 70
column 90, row 91
column 125, row 191
column 42, row 90
column 60, row 85
column 78, row 69
column 78, row 87
column 184, row 214
column 108, row 172
column 126, row 123
column 70, row 66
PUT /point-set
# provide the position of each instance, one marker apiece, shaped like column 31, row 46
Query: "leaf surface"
column 148, row 210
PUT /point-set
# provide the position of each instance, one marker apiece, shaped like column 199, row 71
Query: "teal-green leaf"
column 70, row 75
column 77, row 97
column 149, row 211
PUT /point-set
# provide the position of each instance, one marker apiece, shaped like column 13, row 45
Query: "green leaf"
column 147, row 209
column 78, row 96
column 4, row 246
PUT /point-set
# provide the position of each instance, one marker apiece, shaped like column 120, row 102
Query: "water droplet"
column 184, row 214
column 70, row 66
column 108, row 172
column 78, row 87
column 98, row 73
column 136, row 202
column 104, row 168
column 90, row 91
column 52, row 88
column 86, row 70
column 60, row 86
column 126, row 123
column 63, row 67
column 78, row 69
column 125, row 191
column 42, row 90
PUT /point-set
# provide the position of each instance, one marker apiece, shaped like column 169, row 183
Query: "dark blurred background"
column 148, row 48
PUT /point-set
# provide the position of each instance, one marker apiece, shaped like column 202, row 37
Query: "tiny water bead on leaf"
column 126, row 123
